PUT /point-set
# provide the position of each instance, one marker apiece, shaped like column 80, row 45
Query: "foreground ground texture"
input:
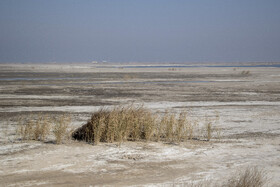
column 247, row 100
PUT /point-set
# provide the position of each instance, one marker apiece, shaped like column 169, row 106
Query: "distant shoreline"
column 186, row 66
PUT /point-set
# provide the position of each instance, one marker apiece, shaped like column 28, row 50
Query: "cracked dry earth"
column 248, row 106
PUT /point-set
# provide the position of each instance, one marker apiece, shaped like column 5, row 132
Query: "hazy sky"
column 139, row 30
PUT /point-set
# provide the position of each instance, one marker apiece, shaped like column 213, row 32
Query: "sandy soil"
column 248, row 106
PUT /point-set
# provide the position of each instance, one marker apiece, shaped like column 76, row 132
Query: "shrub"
column 60, row 128
column 39, row 127
column 34, row 129
column 120, row 124
column 245, row 72
column 250, row 177
column 42, row 128
column 130, row 123
column 209, row 129
column 123, row 123
column 25, row 130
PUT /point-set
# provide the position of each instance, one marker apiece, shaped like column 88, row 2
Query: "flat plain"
column 246, row 99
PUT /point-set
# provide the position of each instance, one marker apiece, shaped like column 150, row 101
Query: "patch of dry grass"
column 60, row 128
column 118, row 125
column 122, row 123
column 245, row 72
column 34, row 127
column 131, row 123
column 38, row 127
column 250, row 177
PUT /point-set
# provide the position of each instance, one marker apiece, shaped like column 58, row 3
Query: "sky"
column 176, row 31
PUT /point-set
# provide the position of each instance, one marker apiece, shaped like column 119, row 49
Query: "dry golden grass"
column 209, row 129
column 250, row 177
column 245, row 72
column 172, row 69
column 38, row 127
column 118, row 125
column 34, row 128
column 60, row 128
column 122, row 123
column 131, row 123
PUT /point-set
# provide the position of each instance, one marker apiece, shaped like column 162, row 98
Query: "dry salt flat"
column 248, row 107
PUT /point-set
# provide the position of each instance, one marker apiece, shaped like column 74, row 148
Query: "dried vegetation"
column 250, row 177
column 38, row 127
column 131, row 123
column 122, row 123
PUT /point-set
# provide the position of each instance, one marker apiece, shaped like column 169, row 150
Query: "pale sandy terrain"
column 248, row 106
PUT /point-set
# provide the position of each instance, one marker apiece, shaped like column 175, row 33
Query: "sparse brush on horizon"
column 172, row 69
column 245, row 72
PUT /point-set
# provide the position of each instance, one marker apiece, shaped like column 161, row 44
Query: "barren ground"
column 248, row 106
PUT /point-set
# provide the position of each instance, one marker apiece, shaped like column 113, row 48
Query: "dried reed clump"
column 172, row 69
column 211, row 127
column 120, row 124
column 250, row 177
column 40, row 126
column 130, row 123
column 245, row 72
column 128, row 76
column 175, row 128
column 60, row 128
column 34, row 128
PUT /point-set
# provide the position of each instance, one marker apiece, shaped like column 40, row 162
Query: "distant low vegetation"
column 245, row 72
